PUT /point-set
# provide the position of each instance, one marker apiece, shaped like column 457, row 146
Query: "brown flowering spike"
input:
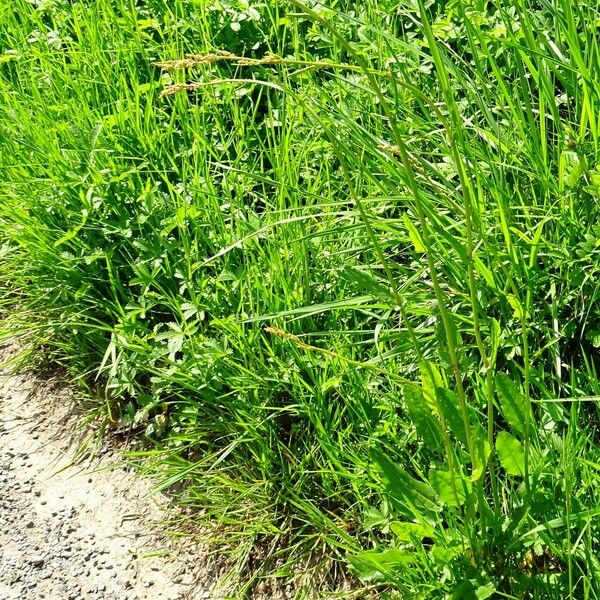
column 282, row 334
column 194, row 60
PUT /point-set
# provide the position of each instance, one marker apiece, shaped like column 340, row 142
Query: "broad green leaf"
column 444, row 554
column 442, row 345
column 408, row 532
column 451, row 493
column 470, row 590
column 510, row 454
column 449, row 405
column 465, row 590
column 454, row 421
column 430, row 380
column 516, row 306
column 516, row 518
column 413, row 234
column 484, row 272
column 513, row 403
column 496, row 334
column 408, row 495
column 571, row 167
column 482, row 451
column 374, row 565
column 485, row 591
column 442, row 334
column 421, row 414
column 374, row 518
column 189, row 310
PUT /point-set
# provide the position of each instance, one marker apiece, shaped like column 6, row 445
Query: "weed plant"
column 334, row 266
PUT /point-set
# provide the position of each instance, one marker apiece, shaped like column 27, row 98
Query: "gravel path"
column 79, row 533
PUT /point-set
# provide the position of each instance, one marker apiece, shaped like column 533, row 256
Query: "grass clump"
column 334, row 265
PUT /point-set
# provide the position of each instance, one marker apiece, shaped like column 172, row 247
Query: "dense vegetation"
column 335, row 266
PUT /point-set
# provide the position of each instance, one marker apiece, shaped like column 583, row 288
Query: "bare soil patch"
column 80, row 531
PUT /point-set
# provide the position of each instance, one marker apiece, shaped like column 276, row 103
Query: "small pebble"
column 36, row 561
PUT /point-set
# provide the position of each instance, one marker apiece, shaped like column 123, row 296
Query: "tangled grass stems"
column 345, row 298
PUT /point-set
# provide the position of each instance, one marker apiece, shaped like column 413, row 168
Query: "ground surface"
column 85, row 532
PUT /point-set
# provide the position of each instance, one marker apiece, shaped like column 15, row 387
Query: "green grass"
column 344, row 294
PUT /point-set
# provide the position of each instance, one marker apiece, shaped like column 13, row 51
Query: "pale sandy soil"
column 87, row 531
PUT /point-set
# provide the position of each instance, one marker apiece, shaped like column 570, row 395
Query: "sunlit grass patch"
column 335, row 267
